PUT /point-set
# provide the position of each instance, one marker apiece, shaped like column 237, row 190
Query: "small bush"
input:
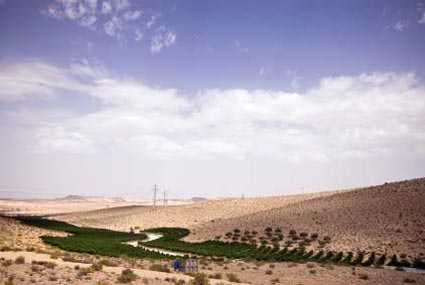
column 312, row 271
column 409, row 280
column 159, row 267
column 364, row 276
column 50, row 265
column 269, row 272
column 127, row 276
column 233, row 278
column 20, row 260
column 97, row 267
column 199, row 279
column 6, row 263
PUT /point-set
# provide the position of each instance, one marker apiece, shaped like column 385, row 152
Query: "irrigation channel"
column 166, row 243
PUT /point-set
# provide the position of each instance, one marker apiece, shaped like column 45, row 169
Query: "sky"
column 209, row 98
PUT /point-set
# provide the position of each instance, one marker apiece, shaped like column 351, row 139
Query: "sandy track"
column 32, row 256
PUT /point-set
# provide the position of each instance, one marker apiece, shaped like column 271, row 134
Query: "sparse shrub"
column 292, row 232
column 303, row 234
column 359, row 258
column 97, row 266
column 199, row 279
column 20, row 260
column 269, row 272
column 85, row 271
column 50, row 265
column 233, row 278
column 398, row 268
column 409, row 280
column 35, row 268
column 327, row 239
column 364, row 277
column 310, row 265
column 312, row 271
column 159, row 267
column 314, row 236
column 127, row 276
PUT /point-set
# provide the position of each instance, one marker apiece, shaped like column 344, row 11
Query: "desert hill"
column 388, row 218
column 187, row 215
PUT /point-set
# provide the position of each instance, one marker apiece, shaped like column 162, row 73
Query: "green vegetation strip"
column 91, row 240
column 110, row 243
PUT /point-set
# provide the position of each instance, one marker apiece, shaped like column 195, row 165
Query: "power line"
column 155, row 189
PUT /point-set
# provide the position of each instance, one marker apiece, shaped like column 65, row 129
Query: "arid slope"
column 191, row 215
column 387, row 218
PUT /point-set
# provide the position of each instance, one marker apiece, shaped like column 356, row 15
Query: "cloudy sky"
column 209, row 98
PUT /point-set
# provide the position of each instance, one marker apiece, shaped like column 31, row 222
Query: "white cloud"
column 365, row 116
column 401, row 25
column 132, row 15
column 261, row 72
column 153, row 20
column 57, row 140
column 115, row 18
column 162, row 40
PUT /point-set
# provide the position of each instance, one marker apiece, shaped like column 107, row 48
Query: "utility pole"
column 165, row 201
column 155, row 189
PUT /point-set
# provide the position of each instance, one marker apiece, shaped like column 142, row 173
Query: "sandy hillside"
column 72, row 203
column 387, row 218
column 192, row 215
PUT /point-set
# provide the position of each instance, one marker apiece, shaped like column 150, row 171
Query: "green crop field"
column 110, row 243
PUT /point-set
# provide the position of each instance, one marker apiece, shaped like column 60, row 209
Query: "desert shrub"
column 312, row 271
column 237, row 231
column 85, row 271
column 228, row 234
column 269, row 272
column 233, row 278
column 216, row 276
column 50, row 265
column 409, row 280
column 303, row 234
column 20, row 260
column 254, row 233
column 292, row 232
column 278, row 230
column 327, row 239
column 199, row 279
column 106, row 262
column 127, row 276
column 159, row 267
column 268, row 230
column 314, row 236
column 310, row 265
column 35, row 268
column 275, row 280
column 97, row 266
column 364, row 277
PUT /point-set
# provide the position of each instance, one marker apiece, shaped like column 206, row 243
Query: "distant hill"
column 90, row 199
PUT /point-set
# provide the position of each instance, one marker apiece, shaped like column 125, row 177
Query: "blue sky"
column 235, row 91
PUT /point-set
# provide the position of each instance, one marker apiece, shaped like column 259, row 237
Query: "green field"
column 110, row 243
